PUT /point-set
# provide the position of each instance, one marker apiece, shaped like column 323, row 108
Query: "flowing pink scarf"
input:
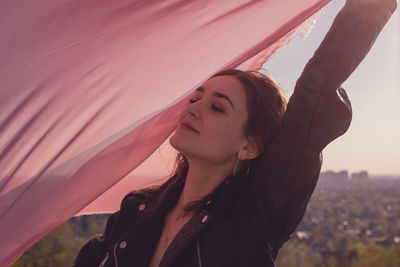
column 90, row 89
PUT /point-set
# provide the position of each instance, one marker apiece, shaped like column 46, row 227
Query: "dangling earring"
column 234, row 169
column 248, row 168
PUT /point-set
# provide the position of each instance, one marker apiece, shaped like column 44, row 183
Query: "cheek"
column 224, row 136
column 229, row 129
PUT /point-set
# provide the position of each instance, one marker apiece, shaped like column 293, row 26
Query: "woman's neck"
column 202, row 178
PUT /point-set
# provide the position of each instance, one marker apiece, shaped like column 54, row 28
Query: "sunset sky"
column 373, row 141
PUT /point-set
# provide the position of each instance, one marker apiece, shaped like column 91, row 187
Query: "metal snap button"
column 122, row 245
column 142, row 206
column 204, row 219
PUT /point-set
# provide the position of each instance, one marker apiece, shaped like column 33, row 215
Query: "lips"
column 188, row 126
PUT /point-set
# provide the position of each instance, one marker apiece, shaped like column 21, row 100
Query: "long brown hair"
column 266, row 105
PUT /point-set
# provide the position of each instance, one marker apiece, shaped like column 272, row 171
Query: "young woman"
column 247, row 163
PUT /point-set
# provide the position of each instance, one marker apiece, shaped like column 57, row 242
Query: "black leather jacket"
column 245, row 221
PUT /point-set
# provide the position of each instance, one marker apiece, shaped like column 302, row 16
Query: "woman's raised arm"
column 317, row 113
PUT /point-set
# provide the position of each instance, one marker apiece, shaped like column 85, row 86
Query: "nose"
column 194, row 110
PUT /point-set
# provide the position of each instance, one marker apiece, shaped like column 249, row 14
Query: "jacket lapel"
column 185, row 237
column 154, row 209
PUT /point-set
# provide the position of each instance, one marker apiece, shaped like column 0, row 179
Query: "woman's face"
column 211, row 126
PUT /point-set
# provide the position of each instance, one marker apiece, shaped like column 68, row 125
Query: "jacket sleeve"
column 317, row 113
column 94, row 251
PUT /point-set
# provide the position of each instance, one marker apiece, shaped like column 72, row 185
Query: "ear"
column 249, row 149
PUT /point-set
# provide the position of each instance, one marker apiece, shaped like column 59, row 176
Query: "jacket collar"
column 154, row 209
column 164, row 199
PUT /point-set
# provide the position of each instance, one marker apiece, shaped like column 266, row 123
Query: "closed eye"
column 191, row 101
column 217, row 109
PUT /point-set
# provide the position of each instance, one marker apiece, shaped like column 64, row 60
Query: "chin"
column 173, row 141
column 190, row 146
column 176, row 142
column 182, row 145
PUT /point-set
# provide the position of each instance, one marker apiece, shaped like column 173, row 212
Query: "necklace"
column 170, row 232
column 166, row 239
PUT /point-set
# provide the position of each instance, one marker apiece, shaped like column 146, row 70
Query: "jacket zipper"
column 115, row 254
column 198, row 253
column 105, row 260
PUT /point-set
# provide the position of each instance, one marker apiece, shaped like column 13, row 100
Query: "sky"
column 372, row 142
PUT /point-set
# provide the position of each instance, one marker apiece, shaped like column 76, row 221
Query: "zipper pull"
column 198, row 253
column 105, row 260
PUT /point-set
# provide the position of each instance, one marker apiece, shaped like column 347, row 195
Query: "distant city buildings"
column 342, row 179
column 359, row 178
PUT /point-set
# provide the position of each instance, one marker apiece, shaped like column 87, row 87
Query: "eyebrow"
column 217, row 94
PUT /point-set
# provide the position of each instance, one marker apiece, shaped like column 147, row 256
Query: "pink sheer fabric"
column 90, row 89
